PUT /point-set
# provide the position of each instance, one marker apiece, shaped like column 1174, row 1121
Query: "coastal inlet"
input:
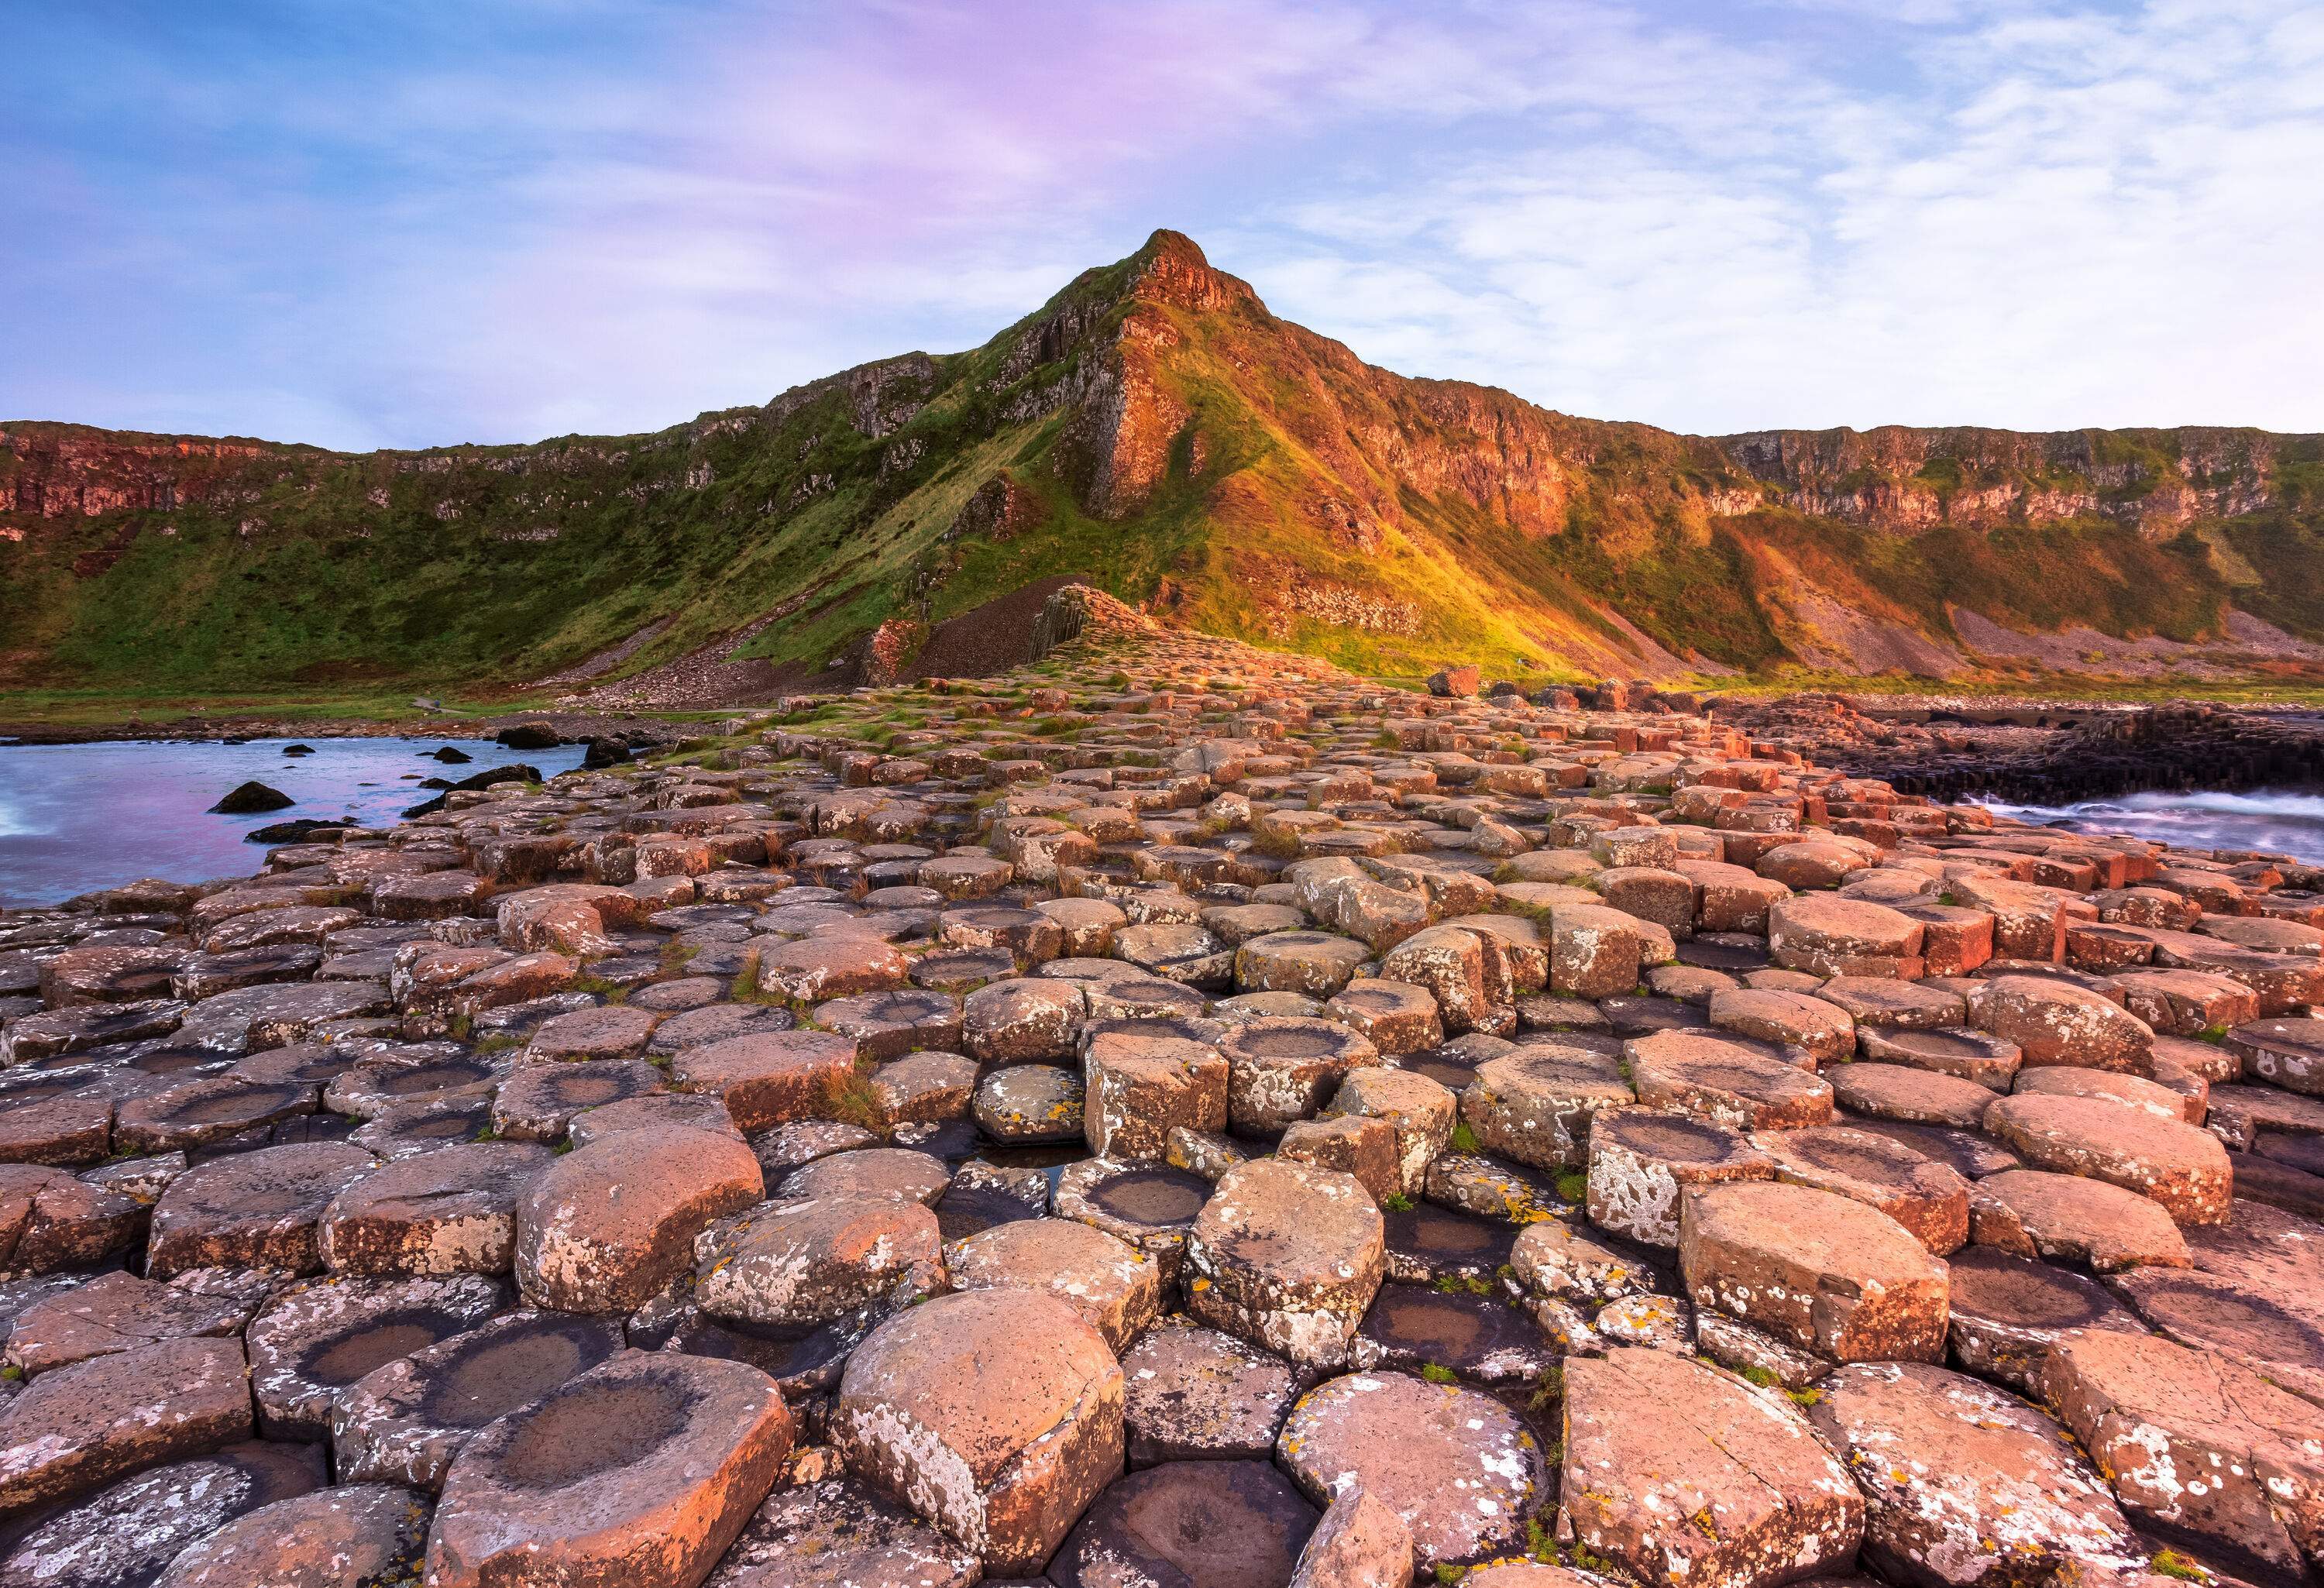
column 75, row 818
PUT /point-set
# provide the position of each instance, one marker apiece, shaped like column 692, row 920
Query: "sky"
column 363, row 224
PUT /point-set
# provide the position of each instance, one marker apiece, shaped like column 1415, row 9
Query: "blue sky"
column 361, row 224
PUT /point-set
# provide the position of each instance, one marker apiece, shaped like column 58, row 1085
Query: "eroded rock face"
column 996, row 1414
column 642, row 1470
column 1655, row 1440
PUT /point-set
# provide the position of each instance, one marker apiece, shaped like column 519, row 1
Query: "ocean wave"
column 2277, row 821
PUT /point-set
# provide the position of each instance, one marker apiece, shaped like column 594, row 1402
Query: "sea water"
column 73, row 817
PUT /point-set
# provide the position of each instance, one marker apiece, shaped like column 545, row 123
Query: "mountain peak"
column 1172, row 268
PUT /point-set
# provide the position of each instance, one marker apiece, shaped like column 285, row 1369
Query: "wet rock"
column 1967, row 1486
column 248, row 799
column 1231, row 1524
column 641, row 1471
column 1655, row 1441
column 206, row 1111
column 610, row 1223
column 996, row 1414
column 362, row 1535
column 1461, row 1470
column 1287, row 1257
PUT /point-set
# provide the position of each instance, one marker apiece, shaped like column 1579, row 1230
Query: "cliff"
column 1155, row 429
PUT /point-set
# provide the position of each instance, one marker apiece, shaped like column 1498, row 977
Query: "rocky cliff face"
column 1154, row 427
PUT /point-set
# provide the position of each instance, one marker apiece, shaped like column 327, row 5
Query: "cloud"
column 414, row 224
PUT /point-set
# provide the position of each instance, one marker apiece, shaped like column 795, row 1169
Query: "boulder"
column 1821, row 1271
column 1287, row 1257
column 640, row 1471
column 995, row 1414
column 606, row 1226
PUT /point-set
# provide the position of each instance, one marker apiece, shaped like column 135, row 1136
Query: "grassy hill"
column 1154, row 428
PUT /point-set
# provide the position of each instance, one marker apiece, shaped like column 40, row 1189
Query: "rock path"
column 1178, row 1115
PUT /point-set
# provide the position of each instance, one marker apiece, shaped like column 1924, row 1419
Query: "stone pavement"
column 1177, row 1114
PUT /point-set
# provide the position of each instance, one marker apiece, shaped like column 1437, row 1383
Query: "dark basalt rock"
column 251, row 799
